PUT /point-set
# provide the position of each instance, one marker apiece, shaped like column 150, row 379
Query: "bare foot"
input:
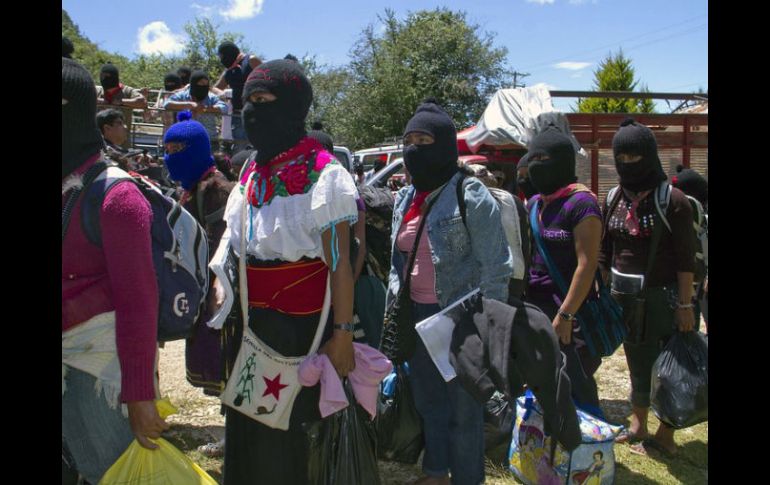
column 632, row 436
column 428, row 480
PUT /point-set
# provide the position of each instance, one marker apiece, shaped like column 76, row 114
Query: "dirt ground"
column 199, row 422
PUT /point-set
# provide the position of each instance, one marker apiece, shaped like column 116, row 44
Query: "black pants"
column 581, row 365
column 641, row 354
column 256, row 453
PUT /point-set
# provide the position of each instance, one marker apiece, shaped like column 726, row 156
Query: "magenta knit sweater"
column 118, row 276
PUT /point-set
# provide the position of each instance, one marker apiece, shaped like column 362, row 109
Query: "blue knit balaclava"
column 188, row 165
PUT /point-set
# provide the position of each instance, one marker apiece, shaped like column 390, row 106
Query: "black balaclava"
column 636, row 139
column 558, row 169
column 278, row 125
column 66, row 47
column 322, row 137
column 184, row 74
column 228, row 53
column 80, row 137
column 198, row 93
column 691, row 183
column 109, row 76
column 524, row 183
column 432, row 165
column 172, row 82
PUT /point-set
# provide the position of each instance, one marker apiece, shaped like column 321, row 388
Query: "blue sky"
column 558, row 42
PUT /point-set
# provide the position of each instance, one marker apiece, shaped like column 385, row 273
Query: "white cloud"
column 242, row 9
column 572, row 66
column 203, row 10
column 157, row 38
column 540, row 2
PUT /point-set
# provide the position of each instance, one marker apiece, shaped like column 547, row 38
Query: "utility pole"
column 516, row 75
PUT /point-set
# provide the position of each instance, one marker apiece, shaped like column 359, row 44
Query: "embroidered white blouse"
column 287, row 228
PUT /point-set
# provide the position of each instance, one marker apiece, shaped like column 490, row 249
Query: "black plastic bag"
column 680, row 381
column 498, row 421
column 342, row 447
column 399, row 427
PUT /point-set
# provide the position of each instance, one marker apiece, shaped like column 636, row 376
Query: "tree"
column 615, row 73
column 203, row 39
column 432, row 53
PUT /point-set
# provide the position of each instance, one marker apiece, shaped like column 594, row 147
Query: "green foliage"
column 203, row 38
column 432, row 53
column 615, row 73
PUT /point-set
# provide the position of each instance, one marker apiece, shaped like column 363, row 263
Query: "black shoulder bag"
column 399, row 337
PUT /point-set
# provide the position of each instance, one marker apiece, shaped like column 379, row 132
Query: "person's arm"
column 135, row 100
column 488, row 243
column 339, row 348
column 684, row 314
column 360, row 231
column 176, row 104
column 587, row 234
column 254, row 61
column 221, row 82
column 126, row 218
column 217, row 105
column 681, row 219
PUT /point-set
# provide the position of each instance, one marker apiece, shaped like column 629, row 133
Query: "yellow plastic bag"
column 164, row 466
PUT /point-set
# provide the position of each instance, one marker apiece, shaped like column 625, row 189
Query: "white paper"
column 436, row 333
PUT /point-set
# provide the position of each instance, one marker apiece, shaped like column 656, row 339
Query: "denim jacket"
column 464, row 259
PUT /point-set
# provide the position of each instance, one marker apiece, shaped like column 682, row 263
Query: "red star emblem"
column 274, row 386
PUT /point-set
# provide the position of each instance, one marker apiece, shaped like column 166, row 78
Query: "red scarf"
column 565, row 192
column 416, row 208
column 237, row 60
column 110, row 93
column 262, row 184
column 187, row 194
column 632, row 222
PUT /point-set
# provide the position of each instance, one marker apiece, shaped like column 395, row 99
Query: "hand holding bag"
column 600, row 319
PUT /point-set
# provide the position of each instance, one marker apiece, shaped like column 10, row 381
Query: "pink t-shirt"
column 423, row 283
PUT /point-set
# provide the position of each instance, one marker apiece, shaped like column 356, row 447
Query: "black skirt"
column 258, row 454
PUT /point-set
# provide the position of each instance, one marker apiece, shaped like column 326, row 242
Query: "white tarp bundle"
column 514, row 116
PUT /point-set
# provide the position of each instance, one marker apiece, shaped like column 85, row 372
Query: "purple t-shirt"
column 558, row 221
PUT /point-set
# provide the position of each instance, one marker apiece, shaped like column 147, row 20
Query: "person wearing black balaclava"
column 323, row 138
column 452, row 258
column 109, row 301
column 172, row 82
column 293, row 207
column 238, row 66
column 197, row 98
column 114, row 93
column 523, row 182
column 184, row 74
column 571, row 226
column 632, row 222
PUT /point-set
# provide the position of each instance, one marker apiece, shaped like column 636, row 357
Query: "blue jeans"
column 239, row 133
column 96, row 435
column 452, row 420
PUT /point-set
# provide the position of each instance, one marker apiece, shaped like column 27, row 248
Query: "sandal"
column 626, row 436
column 213, row 450
column 652, row 444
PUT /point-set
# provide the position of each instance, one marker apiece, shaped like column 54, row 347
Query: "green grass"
column 690, row 467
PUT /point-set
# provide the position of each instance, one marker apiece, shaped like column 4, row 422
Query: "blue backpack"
column 180, row 250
